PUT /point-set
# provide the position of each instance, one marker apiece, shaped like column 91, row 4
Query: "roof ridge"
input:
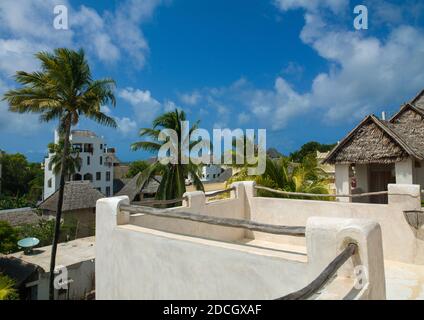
column 404, row 106
column 396, row 137
column 417, row 97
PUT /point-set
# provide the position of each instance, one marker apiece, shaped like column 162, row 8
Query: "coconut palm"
column 172, row 185
column 73, row 162
column 63, row 90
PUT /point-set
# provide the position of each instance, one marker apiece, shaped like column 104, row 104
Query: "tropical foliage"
column 63, row 90
column 9, row 202
column 43, row 231
column 7, row 290
column 136, row 167
column 310, row 148
column 281, row 174
column 9, row 237
column 20, row 180
column 172, row 185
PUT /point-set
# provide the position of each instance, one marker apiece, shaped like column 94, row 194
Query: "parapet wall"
column 142, row 257
column 401, row 242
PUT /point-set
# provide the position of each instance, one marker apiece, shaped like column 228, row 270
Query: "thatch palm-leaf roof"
column 378, row 141
column 77, row 195
column 132, row 188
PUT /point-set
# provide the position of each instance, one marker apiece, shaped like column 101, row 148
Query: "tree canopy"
column 136, row 167
column 20, row 177
column 308, row 148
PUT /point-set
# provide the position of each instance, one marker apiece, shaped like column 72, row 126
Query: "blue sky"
column 297, row 68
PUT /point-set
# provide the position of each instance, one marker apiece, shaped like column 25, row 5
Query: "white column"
column 405, row 171
column 343, row 181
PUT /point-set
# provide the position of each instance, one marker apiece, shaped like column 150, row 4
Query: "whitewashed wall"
column 401, row 242
column 138, row 258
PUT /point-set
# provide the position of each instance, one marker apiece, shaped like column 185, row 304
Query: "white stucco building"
column 211, row 172
column 96, row 163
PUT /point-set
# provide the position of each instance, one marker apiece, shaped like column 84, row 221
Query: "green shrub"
column 8, row 238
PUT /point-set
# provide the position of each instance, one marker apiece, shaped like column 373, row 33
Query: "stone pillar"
column 343, row 181
column 405, row 171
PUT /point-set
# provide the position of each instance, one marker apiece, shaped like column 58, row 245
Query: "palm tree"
column 172, row 185
column 73, row 161
column 280, row 174
column 62, row 90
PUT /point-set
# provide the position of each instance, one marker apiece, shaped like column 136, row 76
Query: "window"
column 88, row 160
column 50, row 165
column 107, row 175
column 107, row 191
column 77, row 147
column 88, row 177
column 88, row 147
column 98, row 176
column 49, row 183
column 101, row 146
column 77, row 177
column 101, row 160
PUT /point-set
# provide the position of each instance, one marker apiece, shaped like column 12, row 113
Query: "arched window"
column 88, row 176
column 77, row 177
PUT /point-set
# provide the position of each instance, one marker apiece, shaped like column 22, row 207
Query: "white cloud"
column 191, row 99
column 22, row 124
column 145, row 106
column 93, row 29
column 169, row 106
column 126, row 125
column 125, row 27
column 243, row 118
column 26, row 27
column 312, row 5
column 366, row 73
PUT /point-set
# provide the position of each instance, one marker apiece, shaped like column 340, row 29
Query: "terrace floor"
column 404, row 281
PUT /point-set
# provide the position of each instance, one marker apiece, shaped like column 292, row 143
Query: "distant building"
column 211, row 172
column 31, row 271
column 96, row 163
column 79, row 207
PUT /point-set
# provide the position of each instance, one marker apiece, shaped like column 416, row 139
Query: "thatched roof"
column 21, row 216
column 418, row 100
column 377, row 141
column 131, row 189
column 78, row 195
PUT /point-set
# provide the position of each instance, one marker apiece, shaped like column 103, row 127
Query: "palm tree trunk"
column 59, row 206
